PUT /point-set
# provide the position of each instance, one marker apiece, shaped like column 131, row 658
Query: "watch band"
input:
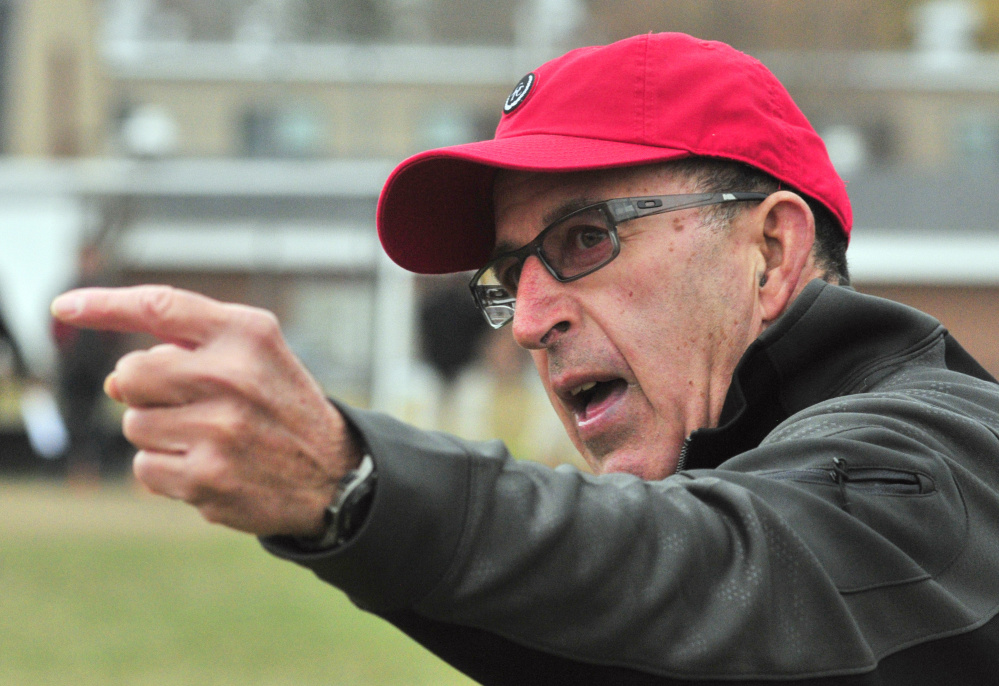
column 346, row 513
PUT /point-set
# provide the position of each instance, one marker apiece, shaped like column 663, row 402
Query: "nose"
column 544, row 310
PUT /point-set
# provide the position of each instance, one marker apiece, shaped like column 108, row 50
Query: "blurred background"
column 237, row 148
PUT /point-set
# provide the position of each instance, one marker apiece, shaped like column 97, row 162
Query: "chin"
column 634, row 462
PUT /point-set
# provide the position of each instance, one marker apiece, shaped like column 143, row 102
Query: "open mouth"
column 591, row 398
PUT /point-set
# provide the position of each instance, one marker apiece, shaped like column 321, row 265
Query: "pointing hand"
column 223, row 414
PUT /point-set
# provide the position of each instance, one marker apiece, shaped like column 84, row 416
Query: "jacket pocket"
column 868, row 480
column 878, row 537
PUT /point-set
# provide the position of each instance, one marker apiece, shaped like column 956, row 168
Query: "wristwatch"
column 350, row 506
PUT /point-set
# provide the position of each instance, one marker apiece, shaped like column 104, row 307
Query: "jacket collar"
column 830, row 342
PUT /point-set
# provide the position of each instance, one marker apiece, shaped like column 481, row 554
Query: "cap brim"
column 435, row 212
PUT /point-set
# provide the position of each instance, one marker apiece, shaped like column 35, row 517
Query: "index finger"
column 171, row 314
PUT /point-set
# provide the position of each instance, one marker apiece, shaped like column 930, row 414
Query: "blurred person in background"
column 794, row 483
column 11, row 360
column 85, row 358
column 500, row 396
column 478, row 384
column 450, row 332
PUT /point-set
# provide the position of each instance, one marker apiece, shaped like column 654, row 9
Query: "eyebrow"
column 549, row 218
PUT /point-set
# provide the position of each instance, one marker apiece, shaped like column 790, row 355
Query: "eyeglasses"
column 578, row 244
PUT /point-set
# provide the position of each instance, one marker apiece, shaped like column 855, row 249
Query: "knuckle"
column 140, row 468
column 141, row 378
column 226, row 381
column 262, row 326
column 151, row 473
column 156, row 302
column 209, row 476
column 131, row 425
column 208, row 480
column 232, row 425
column 129, row 363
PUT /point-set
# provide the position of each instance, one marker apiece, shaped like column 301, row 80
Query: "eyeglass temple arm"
column 624, row 209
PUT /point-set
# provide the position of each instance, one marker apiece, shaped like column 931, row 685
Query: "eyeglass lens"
column 578, row 244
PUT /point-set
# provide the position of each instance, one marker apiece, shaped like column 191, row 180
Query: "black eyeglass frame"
column 618, row 211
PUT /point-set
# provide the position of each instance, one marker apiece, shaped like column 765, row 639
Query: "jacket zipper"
column 874, row 480
column 681, row 461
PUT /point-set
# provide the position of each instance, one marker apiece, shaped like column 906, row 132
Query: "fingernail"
column 67, row 306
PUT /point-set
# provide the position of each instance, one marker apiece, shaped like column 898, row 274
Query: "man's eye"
column 508, row 276
column 586, row 237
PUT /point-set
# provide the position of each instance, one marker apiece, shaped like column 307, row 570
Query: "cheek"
column 648, row 313
column 683, row 309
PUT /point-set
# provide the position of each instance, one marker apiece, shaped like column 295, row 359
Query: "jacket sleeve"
column 666, row 578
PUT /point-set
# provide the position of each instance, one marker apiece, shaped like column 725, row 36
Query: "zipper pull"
column 841, row 475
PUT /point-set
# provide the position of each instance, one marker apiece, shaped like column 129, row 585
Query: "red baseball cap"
column 645, row 99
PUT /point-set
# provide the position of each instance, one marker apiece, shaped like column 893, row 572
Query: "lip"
column 563, row 385
column 597, row 416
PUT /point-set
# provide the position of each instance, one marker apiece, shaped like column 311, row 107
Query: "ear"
column 788, row 238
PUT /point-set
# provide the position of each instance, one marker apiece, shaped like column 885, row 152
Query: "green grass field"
column 114, row 586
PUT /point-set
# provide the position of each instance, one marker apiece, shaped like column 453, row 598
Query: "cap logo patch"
column 520, row 92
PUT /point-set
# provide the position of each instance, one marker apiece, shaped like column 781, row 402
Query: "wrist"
column 344, row 516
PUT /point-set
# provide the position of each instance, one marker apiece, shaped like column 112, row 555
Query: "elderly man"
column 794, row 483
